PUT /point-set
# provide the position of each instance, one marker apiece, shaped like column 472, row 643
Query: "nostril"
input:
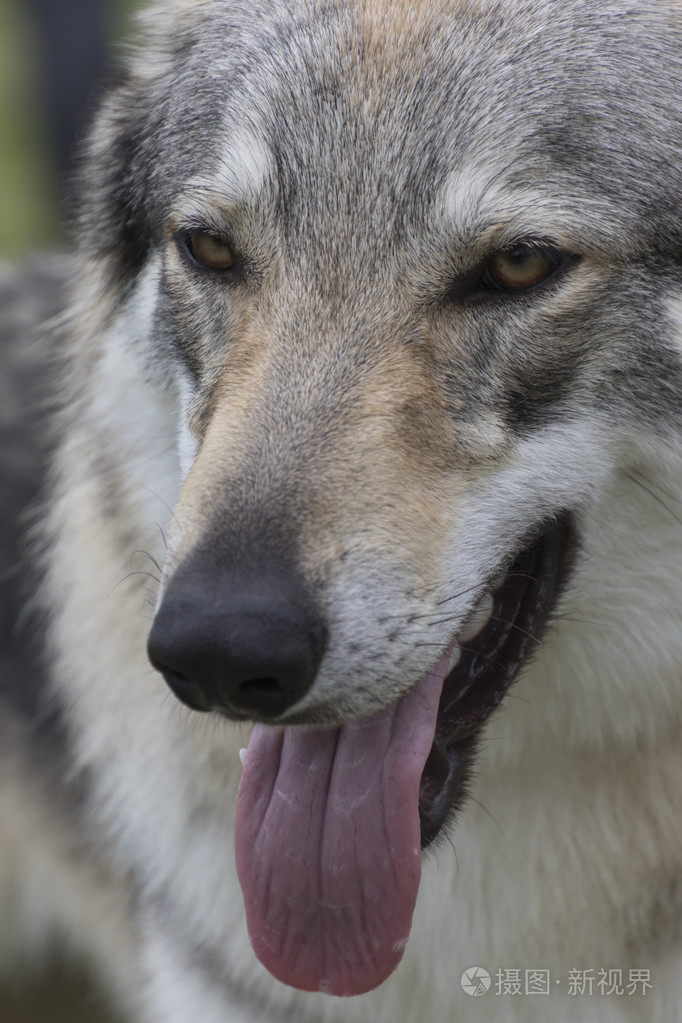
column 185, row 689
column 267, row 695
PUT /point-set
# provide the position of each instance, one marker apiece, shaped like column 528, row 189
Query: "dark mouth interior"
column 487, row 667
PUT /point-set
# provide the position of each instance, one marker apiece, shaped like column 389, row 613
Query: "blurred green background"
column 30, row 189
column 28, row 207
column 31, row 220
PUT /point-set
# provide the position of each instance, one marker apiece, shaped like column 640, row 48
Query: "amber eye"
column 210, row 251
column 520, row 268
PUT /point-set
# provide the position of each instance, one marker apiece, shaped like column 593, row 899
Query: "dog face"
column 386, row 280
column 400, row 260
column 371, row 361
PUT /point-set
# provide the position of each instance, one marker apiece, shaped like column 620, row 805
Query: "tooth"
column 477, row 620
column 242, row 755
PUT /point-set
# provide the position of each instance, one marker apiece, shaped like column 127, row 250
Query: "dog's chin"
column 523, row 603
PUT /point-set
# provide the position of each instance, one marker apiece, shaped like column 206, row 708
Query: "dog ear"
column 111, row 191
column 144, row 143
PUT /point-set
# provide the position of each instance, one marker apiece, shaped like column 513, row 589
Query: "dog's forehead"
column 425, row 88
column 452, row 114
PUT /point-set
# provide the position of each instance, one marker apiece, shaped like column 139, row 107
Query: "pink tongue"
column 328, row 844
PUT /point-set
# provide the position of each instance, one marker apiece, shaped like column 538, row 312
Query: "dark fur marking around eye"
column 487, row 283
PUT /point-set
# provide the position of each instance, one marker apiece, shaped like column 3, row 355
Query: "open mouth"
column 331, row 822
column 488, row 664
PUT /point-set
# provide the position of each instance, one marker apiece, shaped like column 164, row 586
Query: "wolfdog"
column 368, row 449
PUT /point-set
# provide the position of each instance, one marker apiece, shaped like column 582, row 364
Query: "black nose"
column 246, row 644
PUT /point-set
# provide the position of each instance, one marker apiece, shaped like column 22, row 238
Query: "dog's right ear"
column 112, row 189
column 145, row 142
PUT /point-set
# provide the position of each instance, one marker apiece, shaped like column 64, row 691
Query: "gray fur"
column 353, row 403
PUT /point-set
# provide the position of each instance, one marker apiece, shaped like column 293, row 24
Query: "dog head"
column 403, row 261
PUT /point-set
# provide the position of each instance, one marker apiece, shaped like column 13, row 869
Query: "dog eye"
column 211, row 251
column 521, row 268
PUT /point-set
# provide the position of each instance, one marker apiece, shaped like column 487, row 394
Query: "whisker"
column 651, row 490
column 560, row 617
column 165, row 504
column 487, row 812
column 513, row 625
column 163, row 535
column 147, row 555
column 150, row 575
column 456, row 596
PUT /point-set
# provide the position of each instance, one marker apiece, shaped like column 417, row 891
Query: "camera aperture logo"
column 476, row 981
